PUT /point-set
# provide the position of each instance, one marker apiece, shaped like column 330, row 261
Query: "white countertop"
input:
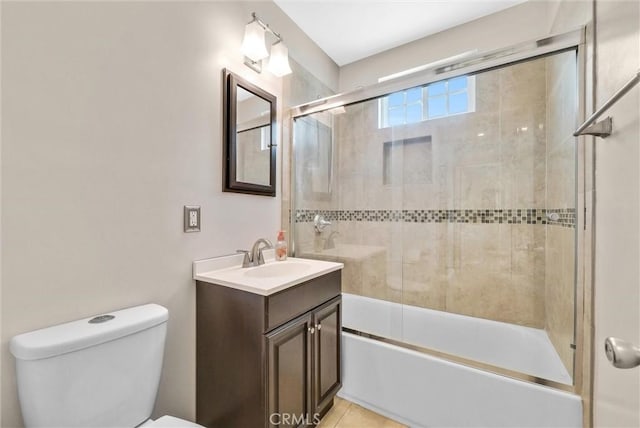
column 228, row 271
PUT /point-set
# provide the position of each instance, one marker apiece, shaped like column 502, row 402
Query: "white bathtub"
column 424, row 391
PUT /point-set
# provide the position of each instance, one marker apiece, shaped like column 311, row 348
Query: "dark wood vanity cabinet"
column 267, row 361
column 326, row 369
column 289, row 362
column 304, row 366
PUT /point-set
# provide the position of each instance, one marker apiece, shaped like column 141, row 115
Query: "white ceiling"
column 349, row 30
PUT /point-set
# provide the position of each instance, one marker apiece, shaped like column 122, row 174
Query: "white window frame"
column 383, row 107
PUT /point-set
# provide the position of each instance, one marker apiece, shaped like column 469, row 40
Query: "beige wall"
column 523, row 22
column 617, row 213
column 567, row 15
column 113, row 123
column 611, row 289
column 1, row 240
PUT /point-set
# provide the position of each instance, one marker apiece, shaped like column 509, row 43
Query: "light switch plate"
column 191, row 218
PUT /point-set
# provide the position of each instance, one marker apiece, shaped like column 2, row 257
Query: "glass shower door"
column 338, row 178
column 453, row 207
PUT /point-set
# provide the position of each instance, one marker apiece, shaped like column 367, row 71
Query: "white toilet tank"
column 97, row 372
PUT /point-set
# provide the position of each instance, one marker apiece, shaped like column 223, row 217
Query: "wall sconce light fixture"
column 255, row 50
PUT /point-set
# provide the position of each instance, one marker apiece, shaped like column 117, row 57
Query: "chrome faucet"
column 256, row 251
column 319, row 223
column 255, row 256
column 330, row 242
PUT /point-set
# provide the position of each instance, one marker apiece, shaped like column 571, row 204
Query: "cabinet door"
column 289, row 374
column 327, row 377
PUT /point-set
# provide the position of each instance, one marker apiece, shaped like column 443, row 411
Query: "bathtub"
column 421, row 390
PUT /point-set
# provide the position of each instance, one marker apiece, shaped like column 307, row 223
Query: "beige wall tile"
column 487, row 92
column 419, row 242
column 351, row 193
column 478, row 186
column 480, row 293
column 394, row 275
column 560, row 193
column 420, row 286
column 374, row 276
column 522, row 84
column 560, row 291
column 352, row 277
column 499, row 156
column 561, row 176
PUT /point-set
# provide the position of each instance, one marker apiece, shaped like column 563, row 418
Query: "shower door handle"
column 622, row 354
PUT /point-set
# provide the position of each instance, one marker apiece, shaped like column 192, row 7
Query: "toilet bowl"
column 102, row 371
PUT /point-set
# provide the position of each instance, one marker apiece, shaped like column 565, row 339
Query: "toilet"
column 102, row 371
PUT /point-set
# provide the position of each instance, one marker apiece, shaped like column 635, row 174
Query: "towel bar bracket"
column 604, row 128
column 601, row 129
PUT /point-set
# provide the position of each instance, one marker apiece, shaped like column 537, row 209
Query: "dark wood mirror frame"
column 229, row 169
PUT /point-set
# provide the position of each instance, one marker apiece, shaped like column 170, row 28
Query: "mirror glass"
column 249, row 146
column 253, row 138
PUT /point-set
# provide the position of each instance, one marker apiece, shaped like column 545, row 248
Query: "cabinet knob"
column 311, row 330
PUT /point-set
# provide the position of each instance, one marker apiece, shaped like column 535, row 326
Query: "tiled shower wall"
column 561, row 192
column 456, row 220
column 299, row 87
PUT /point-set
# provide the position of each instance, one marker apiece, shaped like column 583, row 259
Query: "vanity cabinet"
column 267, row 361
column 303, row 362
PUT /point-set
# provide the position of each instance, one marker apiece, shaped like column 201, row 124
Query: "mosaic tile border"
column 566, row 216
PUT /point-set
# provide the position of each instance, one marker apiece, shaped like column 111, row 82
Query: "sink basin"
column 278, row 269
column 266, row 279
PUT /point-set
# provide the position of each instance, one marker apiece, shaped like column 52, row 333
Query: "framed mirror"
column 249, row 161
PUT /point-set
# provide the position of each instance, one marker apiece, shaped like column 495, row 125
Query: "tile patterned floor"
column 346, row 414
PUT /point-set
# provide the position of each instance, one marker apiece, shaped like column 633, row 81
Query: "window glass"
column 458, row 103
column 437, row 88
column 437, row 106
column 396, row 99
column 414, row 95
column 396, row 116
column 414, row 113
column 457, row 84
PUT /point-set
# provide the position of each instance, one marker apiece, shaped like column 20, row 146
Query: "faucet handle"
column 319, row 223
column 246, row 262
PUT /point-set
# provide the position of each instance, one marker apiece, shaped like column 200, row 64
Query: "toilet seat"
column 171, row 422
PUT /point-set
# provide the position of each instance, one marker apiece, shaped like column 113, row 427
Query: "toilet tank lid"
column 75, row 335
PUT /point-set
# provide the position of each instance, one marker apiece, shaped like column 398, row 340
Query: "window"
column 436, row 100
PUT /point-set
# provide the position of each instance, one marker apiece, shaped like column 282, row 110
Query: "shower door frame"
column 570, row 41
